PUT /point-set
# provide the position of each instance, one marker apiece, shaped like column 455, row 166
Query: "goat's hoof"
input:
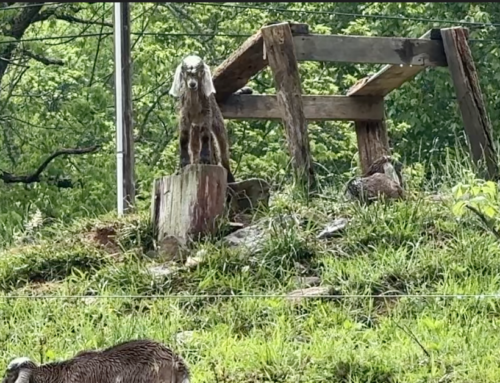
column 205, row 161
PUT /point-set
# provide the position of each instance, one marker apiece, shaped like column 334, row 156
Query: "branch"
column 44, row 60
column 45, row 15
column 15, row 28
column 35, row 177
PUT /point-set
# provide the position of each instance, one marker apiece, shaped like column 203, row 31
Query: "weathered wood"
column 248, row 195
column 390, row 77
column 470, row 98
column 370, row 50
column 245, row 62
column 373, row 142
column 280, row 52
column 317, row 108
column 188, row 204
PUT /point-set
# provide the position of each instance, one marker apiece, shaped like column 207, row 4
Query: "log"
column 188, row 205
column 245, row 62
column 370, row 50
column 280, row 52
column 317, row 108
column 470, row 99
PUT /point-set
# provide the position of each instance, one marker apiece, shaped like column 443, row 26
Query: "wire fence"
column 261, row 296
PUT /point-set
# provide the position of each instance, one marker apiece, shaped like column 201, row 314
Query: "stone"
column 297, row 295
column 308, row 281
column 251, row 237
column 160, row 271
column 333, row 228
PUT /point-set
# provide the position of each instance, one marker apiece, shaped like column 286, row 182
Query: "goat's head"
column 19, row 371
column 192, row 74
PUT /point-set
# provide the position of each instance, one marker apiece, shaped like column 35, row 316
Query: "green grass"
column 403, row 248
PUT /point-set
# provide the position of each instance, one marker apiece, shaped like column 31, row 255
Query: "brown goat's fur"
column 136, row 361
column 378, row 182
column 202, row 132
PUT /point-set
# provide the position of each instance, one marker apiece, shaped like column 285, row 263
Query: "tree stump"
column 187, row 205
column 247, row 195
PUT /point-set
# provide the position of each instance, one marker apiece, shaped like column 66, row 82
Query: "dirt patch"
column 104, row 237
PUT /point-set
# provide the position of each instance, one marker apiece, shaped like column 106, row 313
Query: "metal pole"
column 118, row 28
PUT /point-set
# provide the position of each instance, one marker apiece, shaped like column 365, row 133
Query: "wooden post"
column 470, row 98
column 188, row 204
column 280, row 52
column 373, row 142
column 125, row 136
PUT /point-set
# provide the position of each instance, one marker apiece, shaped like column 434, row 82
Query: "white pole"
column 119, row 106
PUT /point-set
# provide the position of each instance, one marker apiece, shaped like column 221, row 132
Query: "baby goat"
column 201, row 121
column 136, row 361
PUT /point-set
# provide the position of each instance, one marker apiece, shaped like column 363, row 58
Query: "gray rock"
column 308, row 281
column 160, row 271
column 297, row 295
column 251, row 237
column 333, row 228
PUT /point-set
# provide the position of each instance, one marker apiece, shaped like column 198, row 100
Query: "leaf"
column 459, row 208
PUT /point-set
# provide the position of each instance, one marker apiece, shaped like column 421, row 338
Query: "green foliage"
column 51, row 107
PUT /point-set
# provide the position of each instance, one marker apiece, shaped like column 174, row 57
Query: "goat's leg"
column 206, row 144
column 221, row 142
column 184, row 142
column 194, row 144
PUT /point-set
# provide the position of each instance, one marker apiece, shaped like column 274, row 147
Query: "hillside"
column 404, row 248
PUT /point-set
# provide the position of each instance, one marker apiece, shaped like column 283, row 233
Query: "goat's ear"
column 208, row 84
column 23, row 376
column 176, row 84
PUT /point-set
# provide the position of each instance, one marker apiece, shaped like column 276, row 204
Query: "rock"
column 184, row 336
column 160, row 271
column 169, row 249
column 297, row 295
column 192, row 262
column 251, row 237
column 334, row 228
column 308, row 281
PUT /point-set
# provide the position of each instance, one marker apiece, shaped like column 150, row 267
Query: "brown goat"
column 136, row 361
column 201, row 128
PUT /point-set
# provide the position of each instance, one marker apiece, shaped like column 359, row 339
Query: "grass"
column 402, row 249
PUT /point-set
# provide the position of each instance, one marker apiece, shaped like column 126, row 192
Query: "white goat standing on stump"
column 137, row 361
column 201, row 121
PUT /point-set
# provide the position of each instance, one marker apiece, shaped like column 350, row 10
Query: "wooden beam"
column 470, row 98
column 370, row 50
column 390, row 77
column 235, row 72
column 316, row 108
column 280, row 52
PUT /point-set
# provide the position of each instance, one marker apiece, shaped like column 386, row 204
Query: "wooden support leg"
column 280, row 51
column 373, row 142
column 470, row 98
